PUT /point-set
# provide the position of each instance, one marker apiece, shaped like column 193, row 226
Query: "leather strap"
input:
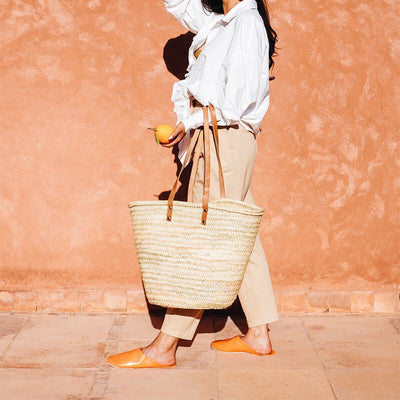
column 207, row 172
column 196, row 157
column 171, row 196
column 195, row 148
column 216, row 141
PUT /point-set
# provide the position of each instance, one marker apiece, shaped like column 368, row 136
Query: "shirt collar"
column 238, row 9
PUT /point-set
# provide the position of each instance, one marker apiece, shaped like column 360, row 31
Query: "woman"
column 229, row 62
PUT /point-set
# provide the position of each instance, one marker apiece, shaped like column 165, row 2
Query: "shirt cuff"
column 193, row 121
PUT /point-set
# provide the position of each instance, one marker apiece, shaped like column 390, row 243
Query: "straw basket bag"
column 194, row 255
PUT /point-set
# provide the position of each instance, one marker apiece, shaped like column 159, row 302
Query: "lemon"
column 162, row 133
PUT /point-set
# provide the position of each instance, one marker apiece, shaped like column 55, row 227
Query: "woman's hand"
column 176, row 136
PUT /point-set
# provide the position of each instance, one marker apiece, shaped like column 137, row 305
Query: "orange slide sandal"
column 236, row 344
column 135, row 359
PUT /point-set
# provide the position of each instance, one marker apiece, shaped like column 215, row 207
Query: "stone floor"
column 62, row 356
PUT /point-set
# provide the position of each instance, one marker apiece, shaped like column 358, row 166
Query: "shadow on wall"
column 176, row 61
column 175, row 54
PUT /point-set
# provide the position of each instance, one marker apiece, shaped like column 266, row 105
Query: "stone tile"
column 339, row 301
column 362, row 302
column 115, row 300
column 7, row 301
column 92, row 301
column 49, row 301
column 45, row 384
column 141, row 327
column 278, row 301
column 365, row 383
column 165, row 384
column 10, row 325
column 197, row 355
column 359, row 354
column 99, row 384
column 136, row 301
column 385, row 302
column 71, row 301
column 353, row 328
column 25, row 301
column 293, row 301
column 59, row 340
column 59, row 301
column 317, row 302
column 395, row 322
column 288, row 355
column 287, row 384
column 287, row 328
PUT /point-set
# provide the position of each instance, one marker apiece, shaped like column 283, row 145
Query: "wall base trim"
column 134, row 301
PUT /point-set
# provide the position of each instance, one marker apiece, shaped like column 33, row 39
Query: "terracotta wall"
column 80, row 81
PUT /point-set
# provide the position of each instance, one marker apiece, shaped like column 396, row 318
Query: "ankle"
column 165, row 343
column 260, row 331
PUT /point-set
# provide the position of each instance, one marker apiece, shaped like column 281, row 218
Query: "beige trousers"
column 238, row 148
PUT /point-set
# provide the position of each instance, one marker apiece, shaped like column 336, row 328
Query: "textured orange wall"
column 80, row 81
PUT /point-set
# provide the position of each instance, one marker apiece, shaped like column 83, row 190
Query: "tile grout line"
column 216, row 363
column 319, row 359
column 2, row 357
column 102, row 374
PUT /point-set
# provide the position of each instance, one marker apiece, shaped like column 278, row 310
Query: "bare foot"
column 257, row 337
column 162, row 349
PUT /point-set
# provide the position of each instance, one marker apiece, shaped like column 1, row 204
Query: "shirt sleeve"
column 244, row 81
column 193, row 121
column 181, row 100
column 247, row 77
column 189, row 13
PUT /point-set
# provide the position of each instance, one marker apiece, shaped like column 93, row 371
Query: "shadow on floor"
column 219, row 318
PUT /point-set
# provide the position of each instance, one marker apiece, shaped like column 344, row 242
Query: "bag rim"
column 217, row 204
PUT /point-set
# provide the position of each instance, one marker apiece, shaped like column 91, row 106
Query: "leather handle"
column 189, row 152
column 216, row 142
column 207, row 172
column 195, row 146
column 196, row 157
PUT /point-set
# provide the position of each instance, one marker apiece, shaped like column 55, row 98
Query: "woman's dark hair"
column 216, row 6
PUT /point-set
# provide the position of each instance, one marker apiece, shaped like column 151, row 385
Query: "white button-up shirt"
column 232, row 70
